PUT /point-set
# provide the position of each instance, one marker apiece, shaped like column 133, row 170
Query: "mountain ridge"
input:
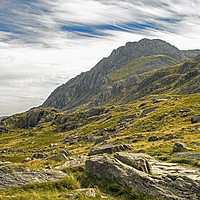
column 84, row 87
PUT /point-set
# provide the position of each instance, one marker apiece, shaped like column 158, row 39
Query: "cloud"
column 45, row 43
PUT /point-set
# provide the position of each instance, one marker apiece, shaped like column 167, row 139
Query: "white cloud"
column 36, row 54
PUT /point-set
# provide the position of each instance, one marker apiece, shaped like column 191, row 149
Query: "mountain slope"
column 82, row 88
column 182, row 78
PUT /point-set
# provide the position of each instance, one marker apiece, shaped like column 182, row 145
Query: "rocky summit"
column 127, row 129
column 123, row 69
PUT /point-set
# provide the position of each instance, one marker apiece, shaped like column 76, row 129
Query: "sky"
column 44, row 43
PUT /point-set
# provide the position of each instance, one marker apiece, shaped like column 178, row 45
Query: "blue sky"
column 45, row 43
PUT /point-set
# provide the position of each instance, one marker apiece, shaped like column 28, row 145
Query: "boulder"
column 179, row 146
column 195, row 119
column 147, row 111
column 9, row 168
column 74, row 162
column 197, row 144
column 94, row 112
column 102, row 139
column 34, row 176
column 137, row 160
column 125, row 117
column 154, row 138
column 39, row 156
column 169, row 187
column 111, row 149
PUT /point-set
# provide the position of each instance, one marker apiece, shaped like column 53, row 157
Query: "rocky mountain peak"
column 84, row 87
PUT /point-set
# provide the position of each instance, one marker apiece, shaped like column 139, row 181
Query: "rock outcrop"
column 167, row 185
column 23, row 178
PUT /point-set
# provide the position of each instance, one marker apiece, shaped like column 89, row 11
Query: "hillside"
column 83, row 88
column 127, row 129
column 45, row 138
column 129, row 83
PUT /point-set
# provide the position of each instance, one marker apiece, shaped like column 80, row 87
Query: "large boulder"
column 34, row 176
column 170, row 187
column 195, row 119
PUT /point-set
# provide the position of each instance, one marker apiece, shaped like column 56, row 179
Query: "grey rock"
column 32, row 117
column 197, row 144
column 9, row 168
column 102, row 139
column 137, row 161
column 195, row 119
column 39, row 155
column 90, row 136
column 74, row 162
column 94, row 112
column 165, row 186
column 171, row 137
column 179, row 146
column 34, row 176
column 147, row 111
column 111, row 150
column 187, row 155
column 155, row 138
column 68, row 127
column 86, row 192
column 125, row 117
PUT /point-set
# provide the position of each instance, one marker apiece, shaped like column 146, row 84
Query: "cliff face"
column 84, row 87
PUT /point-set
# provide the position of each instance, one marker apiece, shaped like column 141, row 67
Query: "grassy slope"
column 175, row 123
column 140, row 64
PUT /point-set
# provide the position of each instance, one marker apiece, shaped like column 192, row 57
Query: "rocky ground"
column 148, row 149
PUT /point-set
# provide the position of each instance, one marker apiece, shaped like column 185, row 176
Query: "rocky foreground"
column 137, row 171
column 144, row 174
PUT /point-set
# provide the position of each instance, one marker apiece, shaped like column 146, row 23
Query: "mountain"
column 86, row 86
column 143, row 143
